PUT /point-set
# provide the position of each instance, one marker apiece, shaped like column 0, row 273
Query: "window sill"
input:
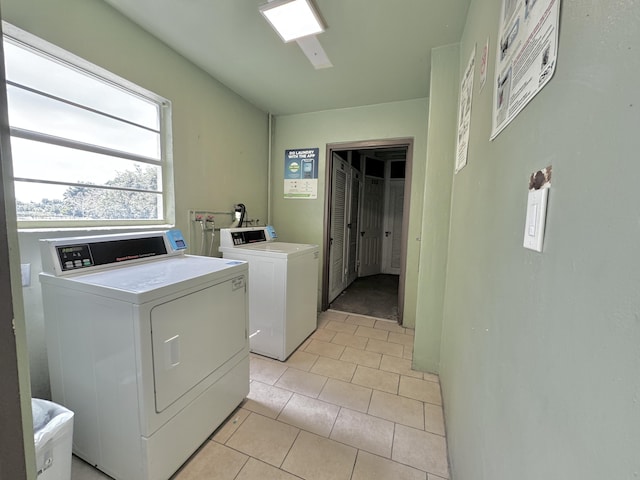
column 95, row 229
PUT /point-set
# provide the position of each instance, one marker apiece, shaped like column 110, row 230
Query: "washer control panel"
column 237, row 237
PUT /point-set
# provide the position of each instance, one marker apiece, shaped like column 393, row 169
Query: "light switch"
column 25, row 271
column 536, row 217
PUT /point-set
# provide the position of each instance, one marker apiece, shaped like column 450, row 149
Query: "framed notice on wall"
column 527, row 48
column 301, row 173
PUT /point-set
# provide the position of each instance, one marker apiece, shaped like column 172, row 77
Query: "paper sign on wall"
column 527, row 48
column 301, row 173
column 464, row 113
column 484, row 65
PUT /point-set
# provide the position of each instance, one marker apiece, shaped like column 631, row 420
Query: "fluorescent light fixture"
column 292, row 19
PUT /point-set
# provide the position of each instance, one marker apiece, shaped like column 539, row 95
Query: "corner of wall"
column 436, row 208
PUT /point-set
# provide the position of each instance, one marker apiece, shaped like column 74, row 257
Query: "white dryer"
column 146, row 345
column 283, row 288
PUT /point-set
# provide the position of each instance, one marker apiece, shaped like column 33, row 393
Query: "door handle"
column 362, row 234
column 386, row 234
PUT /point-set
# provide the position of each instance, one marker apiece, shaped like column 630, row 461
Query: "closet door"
column 353, row 226
column 371, row 227
column 338, row 241
column 393, row 226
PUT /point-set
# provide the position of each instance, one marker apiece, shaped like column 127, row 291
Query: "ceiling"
column 380, row 50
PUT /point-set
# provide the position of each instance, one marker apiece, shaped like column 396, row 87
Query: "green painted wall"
column 220, row 141
column 302, row 220
column 437, row 204
column 540, row 363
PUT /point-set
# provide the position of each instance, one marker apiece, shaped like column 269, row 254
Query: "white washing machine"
column 146, row 345
column 283, row 288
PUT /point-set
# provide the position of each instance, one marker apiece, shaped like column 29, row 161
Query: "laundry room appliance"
column 283, row 288
column 146, row 345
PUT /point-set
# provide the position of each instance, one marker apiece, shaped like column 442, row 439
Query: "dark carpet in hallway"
column 375, row 296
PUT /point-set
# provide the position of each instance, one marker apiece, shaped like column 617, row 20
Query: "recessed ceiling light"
column 292, row 19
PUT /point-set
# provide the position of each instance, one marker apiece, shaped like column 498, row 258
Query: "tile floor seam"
column 241, row 406
column 243, row 465
column 300, row 393
column 355, row 460
column 230, row 437
column 230, row 448
column 432, row 381
column 282, row 410
column 314, row 363
column 413, row 466
column 388, row 354
column 397, row 343
column 288, row 452
column 369, row 404
column 354, row 373
column 412, row 398
column 383, row 391
column 309, row 396
column 339, row 441
column 393, row 439
column 400, row 463
column 340, row 408
column 327, row 439
column 352, row 346
column 358, row 449
column 397, row 423
column 335, row 420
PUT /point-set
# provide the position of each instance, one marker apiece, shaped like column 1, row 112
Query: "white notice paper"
column 464, row 113
column 527, row 49
column 484, row 64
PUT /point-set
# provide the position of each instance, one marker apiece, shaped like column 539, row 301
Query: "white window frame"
column 62, row 56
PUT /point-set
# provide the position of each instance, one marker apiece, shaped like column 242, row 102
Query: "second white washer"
column 283, row 285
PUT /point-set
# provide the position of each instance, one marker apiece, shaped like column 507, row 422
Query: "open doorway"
column 366, row 224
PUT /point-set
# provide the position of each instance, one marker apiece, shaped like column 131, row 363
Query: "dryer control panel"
column 237, row 237
column 66, row 255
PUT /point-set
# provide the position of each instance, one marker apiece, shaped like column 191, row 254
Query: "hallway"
column 373, row 296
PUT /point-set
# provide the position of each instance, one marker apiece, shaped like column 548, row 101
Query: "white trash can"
column 53, row 436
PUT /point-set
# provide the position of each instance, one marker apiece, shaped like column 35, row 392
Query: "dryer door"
column 194, row 335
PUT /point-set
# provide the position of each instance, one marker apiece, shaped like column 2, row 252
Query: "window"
column 89, row 148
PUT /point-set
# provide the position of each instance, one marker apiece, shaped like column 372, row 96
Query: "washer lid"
column 276, row 249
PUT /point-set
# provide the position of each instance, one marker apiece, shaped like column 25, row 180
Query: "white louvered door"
column 338, row 242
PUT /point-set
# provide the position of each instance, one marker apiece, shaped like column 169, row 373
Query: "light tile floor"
column 345, row 406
